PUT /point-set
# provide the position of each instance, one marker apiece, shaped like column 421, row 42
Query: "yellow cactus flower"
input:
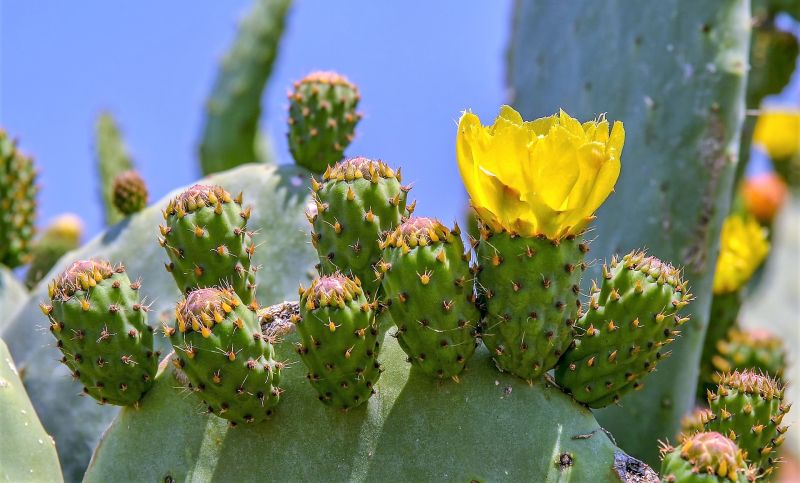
column 743, row 247
column 543, row 177
column 778, row 132
column 67, row 226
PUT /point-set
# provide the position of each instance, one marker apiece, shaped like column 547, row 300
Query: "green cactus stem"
column 704, row 458
column 17, row 203
column 113, row 159
column 129, row 192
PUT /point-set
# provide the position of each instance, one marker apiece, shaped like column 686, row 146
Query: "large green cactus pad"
column 12, row 296
column 278, row 196
column 489, row 427
column 674, row 72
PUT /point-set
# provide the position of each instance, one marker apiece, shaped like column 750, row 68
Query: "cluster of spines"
column 704, row 457
column 17, row 203
column 756, row 349
column 129, row 192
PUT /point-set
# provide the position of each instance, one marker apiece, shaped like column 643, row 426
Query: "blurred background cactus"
column 712, row 112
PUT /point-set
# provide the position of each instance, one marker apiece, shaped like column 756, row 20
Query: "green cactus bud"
column 17, row 203
column 339, row 341
column 229, row 364
column 322, row 119
column 629, row 321
column 207, row 241
column 704, row 458
column 531, row 288
column 427, row 282
column 748, row 407
column 358, row 200
column 129, row 192
column 100, row 325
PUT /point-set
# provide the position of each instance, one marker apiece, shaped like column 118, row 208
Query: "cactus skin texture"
column 748, row 408
column 129, row 192
column 101, row 328
column 113, row 159
column 428, row 285
column 629, row 321
column 27, row 452
column 17, row 203
column 358, row 200
column 229, row 364
column 339, row 341
column 61, row 236
column 207, row 241
column 322, row 119
column 234, row 106
column 531, row 288
column 704, row 458
column 698, row 62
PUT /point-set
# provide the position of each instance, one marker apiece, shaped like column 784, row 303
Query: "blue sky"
column 417, row 63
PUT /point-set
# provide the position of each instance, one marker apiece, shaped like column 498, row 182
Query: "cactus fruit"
column 230, row 366
column 755, row 349
column 17, row 203
column 101, row 329
column 428, row 286
column 358, row 200
column 764, row 195
column 339, row 341
column 630, row 318
column 207, row 241
column 748, row 407
column 61, row 236
column 322, row 119
column 704, row 457
column 129, row 192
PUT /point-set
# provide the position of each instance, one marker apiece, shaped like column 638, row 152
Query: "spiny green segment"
column 17, row 203
column 748, row 408
column 704, row 458
column 207, row 241
column 530, row 287
column 101, row 329
column 229, row 363
column 428, row 286
column 129, row 192
column 622, row 335
column 322, row 119
column 695, row 422
column 112, row 159
column 339, row 341
column 358, row 200
column 724, row 312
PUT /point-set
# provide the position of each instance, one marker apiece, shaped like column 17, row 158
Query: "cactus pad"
column 129, row 192
column 704, row 457
column 207, row 241
column 428, row 285
column 322, row 119
column 339, row 341
column 229, row 365
column 17, row 203
column 755, row 349
column 630, row 319
column 748, row 407
column 101, row 328
column 531, row 288
column 358, row 200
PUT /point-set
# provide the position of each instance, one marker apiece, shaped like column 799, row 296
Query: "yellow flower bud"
column 743, row 247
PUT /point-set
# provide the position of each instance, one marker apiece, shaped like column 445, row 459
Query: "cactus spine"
column 704, row 458
column 17, row 203
column 339, row 341
column 322, row 119
column 428, row 287
column 100, row 326
column 129, row 192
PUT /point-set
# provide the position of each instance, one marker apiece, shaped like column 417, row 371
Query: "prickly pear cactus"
column 629, row 322
column 100, row 324
column 673, row 197
column 219, row 346
column 322, row 119
column 279, row 197
column 234, row 106
column 358, row 200
column 704, row 458
column 17, row 203
column 113, row 159
column 129, row 192
column 339, row 341
column 63, row 235
column 12, row 296
column 428, row 287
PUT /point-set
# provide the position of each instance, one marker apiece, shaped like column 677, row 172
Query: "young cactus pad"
column 748, row 407
column 339, row 341
column 229, row 364
column 17, row 202
column 630, row 319
column 207, row 241
column 704, row 458
column 322, row 119
column 358, row 200
column 755, row 349
column 129, row 192
column 428, row 287
column 101, row 328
